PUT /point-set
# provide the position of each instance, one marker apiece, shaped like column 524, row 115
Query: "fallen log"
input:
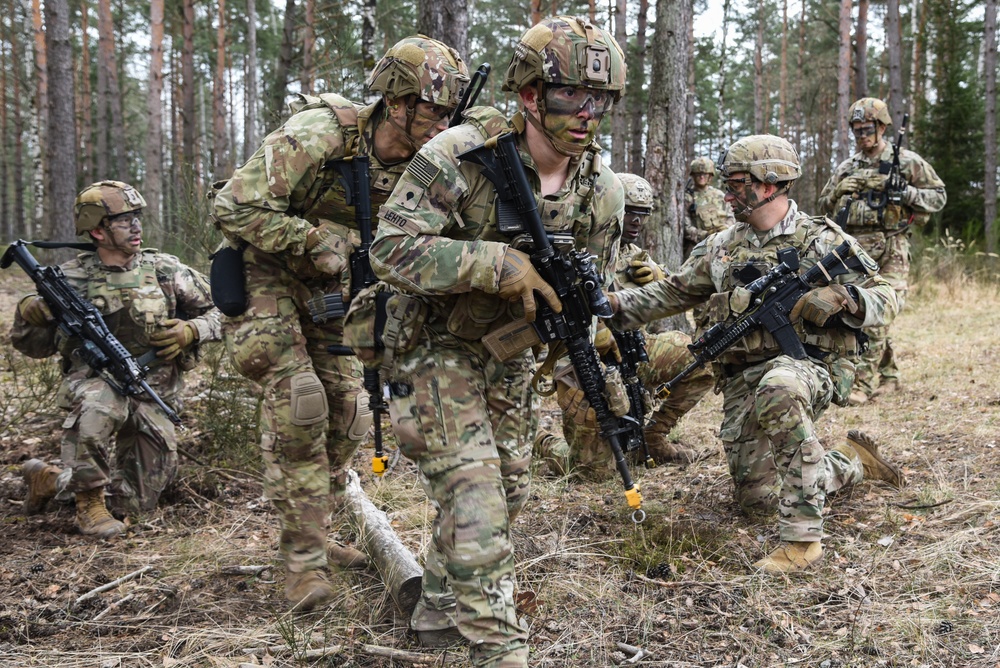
column 396, row 565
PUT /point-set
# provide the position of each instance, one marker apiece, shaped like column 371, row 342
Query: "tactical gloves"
column 819, row 305
column 605, row 342
column 174, row 338
column 35, row 311
column 573, row 401
column 645, row 271
column 329, row 251
column 519, row 280
column 849, row 185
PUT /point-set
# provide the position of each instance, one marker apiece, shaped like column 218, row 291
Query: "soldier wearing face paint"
column 706, row 207
column 462, row 415
column 883, row 230
column 771, row 401
column 580, row 450
column 152, row 303
column 286, row 210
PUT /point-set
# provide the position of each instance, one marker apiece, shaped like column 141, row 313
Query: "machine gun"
column 772, row 297
column 79, row 319
column 575, row 280
column 471, row 94
column 632, row 348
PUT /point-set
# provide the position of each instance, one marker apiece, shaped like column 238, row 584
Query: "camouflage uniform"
column 315, row 413
column 880, row 235
column 770, row 400
column 707, row 210
column 459, row 413
column 134, row 301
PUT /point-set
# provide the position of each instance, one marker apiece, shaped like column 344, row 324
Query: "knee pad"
column 357, row 416
column 308, row 399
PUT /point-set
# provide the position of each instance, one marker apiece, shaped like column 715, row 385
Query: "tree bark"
column 634, row 86
column 918, row 17
column 153, row 187
column 618, row 120
column 61, row 147
column 40, row 113
column 724, row 138
column 280, row 85
column 692, row 93
column 783, row 77
column 308, row 44
column 113, row 100
column 990, row 176
column 894, row 49
column 19, row 222
column 250, row 92
column 220, row 146
column 536, row 12
column 187, row 92
column 861, row 52
column 843, row 80
column 86, row 99
column 447, row 22
column 759, row 119
column 665, row 157
column 368, row 54
column 6, row 224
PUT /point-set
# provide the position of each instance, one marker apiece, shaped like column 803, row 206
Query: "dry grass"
column 911, row 578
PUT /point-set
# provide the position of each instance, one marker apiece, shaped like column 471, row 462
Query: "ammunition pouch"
column 383, row 323
column 474, row 313
column 227, row 280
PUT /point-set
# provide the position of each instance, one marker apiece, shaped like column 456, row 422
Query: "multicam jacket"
column 134, row 302
column 928, row 196
column 735, row 257
column 437, row 234
column 707, row 213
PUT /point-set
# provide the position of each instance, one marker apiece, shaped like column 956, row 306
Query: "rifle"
column 772, row 297
column 471, row 94
column 357, row 183
column 891, row 193
column 78, row 318
column 632, row 348
column 575, row 280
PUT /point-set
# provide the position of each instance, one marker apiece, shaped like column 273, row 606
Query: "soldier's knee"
column 308, row 399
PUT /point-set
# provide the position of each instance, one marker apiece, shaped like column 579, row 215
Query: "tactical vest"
column 863, row 218
column 744, row 264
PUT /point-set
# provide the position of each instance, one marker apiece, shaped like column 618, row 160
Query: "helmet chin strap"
column 567, row 148
column 410, row 113
column 748, row 208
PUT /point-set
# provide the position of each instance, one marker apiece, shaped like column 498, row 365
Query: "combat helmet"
column 638, row 193
column 702, row 165
column 567, row 51
column 104, row 199
column 767, row 158
column 869, row 109
column 421, row 66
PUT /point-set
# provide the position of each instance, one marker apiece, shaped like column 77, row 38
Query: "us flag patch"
column 423, row 170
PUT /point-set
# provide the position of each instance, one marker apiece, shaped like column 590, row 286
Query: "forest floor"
column 910, row 578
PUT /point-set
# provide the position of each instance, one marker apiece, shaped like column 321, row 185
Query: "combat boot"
column 435, row 628
column 857, row 398
column 791, row 557
column 92, row 516
column 345, row 557
column 308, row 590
column 876, row 466
column 40, row 479
column 661, row 448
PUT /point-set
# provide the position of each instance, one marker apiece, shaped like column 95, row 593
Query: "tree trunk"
column 861, row 52
column 894, row 52
column 18, row 222
column 6, row 224
column 692, row 94
column 618, row 120
column 188, row 87
column 113, row 99
column 800, row 121
column 759, row 119
column 634, row 87
column 153, row 187
column 843, row 80
column 280, row 85
column 368, row 54
column 445, row 21
column 86, row 99
column 250, row 92
column 308, row 43
column 40, row 112
column 61, row 148
column 918, row 27
column 220, row 147
column 990, row 178
column 536, row 12
column 724, row 138
column 665, row 146
column 783, row 76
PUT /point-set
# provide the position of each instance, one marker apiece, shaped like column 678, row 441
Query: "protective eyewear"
column 571, row 100
column 125, row 222
column 863, row 131
column 733, row 186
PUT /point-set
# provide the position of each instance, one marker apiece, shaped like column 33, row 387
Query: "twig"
column 637, row 653
column 111, row 585
column 114, row 605
column 907, row 506
column 399, row 654
column 275, row 650
column 244, row 570
column 202, row 464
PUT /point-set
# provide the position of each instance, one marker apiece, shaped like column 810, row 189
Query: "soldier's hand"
column 645, row 271
column 849, row 185
column 330, row 253
column 876, row 182
column 35, row 311
column 519, row 280
column 820, row 304
column 605, row 342
column 175, row 336
column 575, row 406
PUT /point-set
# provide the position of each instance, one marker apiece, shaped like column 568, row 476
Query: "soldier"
column 286, row 209
column 583, row 452
column 884, row 229
column 771, row 400
column 707, row 210
column 462, row 415
column 149, row 300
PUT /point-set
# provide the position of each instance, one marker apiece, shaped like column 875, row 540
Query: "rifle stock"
column 471, row 94
column 78, row 318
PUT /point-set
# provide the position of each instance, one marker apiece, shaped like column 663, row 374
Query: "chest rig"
column 132, row 302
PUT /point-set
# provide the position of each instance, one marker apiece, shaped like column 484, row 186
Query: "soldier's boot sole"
column 40, row 479
column 791, row 558
column 876, row 466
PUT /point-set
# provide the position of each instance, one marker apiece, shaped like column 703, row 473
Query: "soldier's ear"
column 529, row 98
